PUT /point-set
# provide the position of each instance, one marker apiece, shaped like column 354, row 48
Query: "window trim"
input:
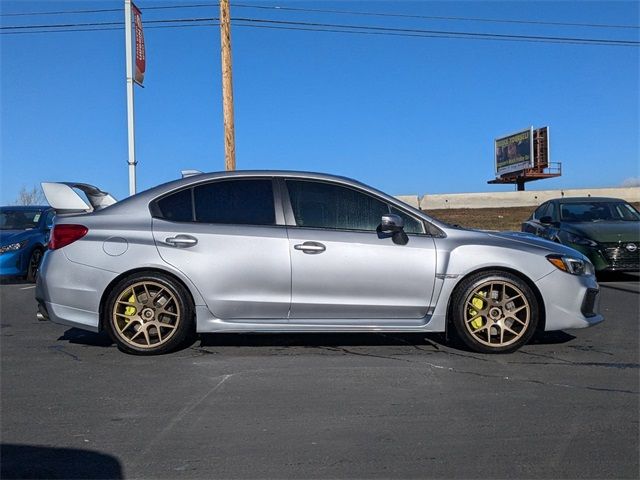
column 291, row 220
column 279, row 217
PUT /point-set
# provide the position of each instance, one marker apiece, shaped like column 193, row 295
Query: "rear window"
column 235, row 202
column 239, row 202
column 176, row 207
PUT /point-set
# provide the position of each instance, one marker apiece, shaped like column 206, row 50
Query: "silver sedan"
column 271, row 251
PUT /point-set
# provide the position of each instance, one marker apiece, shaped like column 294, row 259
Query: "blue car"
column 24, row 234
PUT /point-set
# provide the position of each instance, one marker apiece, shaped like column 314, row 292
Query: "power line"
column 359, row 32
column 92, row 24
column 338, row 12
column 104, row 10
column 61, row 12
column 431, row 17
column 305, row 29
column 121, row 27
column 326, row 27
column 442, row 32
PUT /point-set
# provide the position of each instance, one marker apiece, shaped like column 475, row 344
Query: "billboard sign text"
column 514, row 152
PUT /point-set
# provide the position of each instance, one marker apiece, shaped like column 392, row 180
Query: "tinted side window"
column 551, row 211
column 243, row 202
column 538, row 214
column 176, row 207
column 324, row 205
column 411, row 224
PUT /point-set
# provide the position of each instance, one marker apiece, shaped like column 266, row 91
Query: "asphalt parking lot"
column 320, row 406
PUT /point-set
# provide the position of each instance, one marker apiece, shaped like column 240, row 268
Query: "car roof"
column 133, row 203
column 173, row 185
column 24, row 207
column 587, row 199
column 256, row 173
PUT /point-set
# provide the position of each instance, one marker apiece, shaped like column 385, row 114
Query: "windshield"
column 19, row 219
column 598, row 212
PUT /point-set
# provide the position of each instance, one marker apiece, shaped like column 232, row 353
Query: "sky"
column 404, row 114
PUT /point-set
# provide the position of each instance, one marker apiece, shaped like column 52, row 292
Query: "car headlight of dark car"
column 12, row 247
column 578, row 240
column 572, row 265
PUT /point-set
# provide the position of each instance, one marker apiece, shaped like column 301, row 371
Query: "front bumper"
column 611, row 257
column 13, row 263
column 570, row 301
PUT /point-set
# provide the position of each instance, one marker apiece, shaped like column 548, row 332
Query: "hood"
column 605, row 232
column 519, row 239
column 8, row 237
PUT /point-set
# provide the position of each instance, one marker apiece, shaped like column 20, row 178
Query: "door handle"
column 310, row 247
column 182, row 241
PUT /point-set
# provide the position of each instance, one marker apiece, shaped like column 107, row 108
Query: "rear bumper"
column 62, row 283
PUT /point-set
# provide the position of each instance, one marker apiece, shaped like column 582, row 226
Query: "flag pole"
column 130, row 117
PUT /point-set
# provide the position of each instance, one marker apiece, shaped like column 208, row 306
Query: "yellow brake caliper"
column 130, row 310
column 478, row 303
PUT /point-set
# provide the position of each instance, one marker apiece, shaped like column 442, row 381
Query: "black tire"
column 154, row 305
column 494, row 325
column 34, row 264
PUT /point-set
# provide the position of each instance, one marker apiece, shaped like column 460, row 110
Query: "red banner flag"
column 141, row 63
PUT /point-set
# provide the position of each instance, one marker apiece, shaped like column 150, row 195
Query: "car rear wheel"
column 34, row 264
column 494, row 312
column 149, row 314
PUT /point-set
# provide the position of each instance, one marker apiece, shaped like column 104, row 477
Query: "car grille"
column 590, row 302
column 620, row 257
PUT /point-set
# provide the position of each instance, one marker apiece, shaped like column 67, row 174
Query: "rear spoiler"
column 64, row 198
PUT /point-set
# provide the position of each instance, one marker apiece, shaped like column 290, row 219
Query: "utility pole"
column 227, row 87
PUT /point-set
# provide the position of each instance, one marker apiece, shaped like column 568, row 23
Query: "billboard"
column 514, row 152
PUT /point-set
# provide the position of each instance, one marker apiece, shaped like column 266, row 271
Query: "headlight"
column 572, row 265
column 13, row 247
column 578, row 240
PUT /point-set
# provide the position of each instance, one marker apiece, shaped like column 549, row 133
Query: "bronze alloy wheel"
column 494, row 311
column 146, row 315
column 497, row 313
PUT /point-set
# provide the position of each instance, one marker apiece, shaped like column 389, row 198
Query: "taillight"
column 64, row 234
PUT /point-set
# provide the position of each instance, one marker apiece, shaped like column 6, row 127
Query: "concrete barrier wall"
column 412, row 200
column 514, row 199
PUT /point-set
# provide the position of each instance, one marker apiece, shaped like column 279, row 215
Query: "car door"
column 344, row 271
column 229, row 238
column 549, row 230
column 533, row 225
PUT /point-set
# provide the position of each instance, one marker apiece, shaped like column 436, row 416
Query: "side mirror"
column 391, row 223
column 546, row 220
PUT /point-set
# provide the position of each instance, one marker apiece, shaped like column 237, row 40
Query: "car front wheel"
column 494, row 312
column 149, row 314
column 34, row 264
